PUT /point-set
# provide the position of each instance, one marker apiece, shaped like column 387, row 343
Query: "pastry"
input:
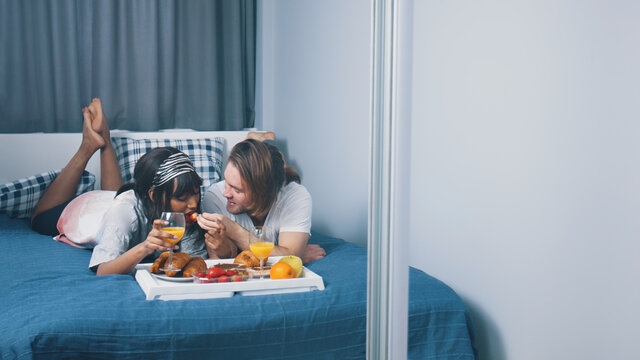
column 248, row 259
column 229, row 266
column 180, row 259
column 195, row 265
column 159, row 263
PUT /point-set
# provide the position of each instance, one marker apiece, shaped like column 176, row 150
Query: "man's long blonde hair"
column 264, row 171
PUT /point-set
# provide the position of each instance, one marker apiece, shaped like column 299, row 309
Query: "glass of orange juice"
column 175, row 226
column 261, row 244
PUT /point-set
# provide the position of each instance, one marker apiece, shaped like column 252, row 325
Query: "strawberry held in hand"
column 192, row 217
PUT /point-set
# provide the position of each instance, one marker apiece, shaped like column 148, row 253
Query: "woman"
column 164, row 180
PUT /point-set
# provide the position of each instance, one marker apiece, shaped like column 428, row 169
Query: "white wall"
column 525, row 176
column 315, row 89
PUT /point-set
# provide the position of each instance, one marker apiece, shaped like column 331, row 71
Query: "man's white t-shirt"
column 291, row 211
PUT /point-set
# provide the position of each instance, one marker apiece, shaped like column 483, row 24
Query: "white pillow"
column 82, row 218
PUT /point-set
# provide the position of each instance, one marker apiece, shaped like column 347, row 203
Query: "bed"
column 53, row 307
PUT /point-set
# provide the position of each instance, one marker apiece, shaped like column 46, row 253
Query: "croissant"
column 159, row 263
column 194, row 266
column 180, row 259
column 248, row 259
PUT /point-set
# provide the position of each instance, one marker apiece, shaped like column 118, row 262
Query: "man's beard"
column 235, row 209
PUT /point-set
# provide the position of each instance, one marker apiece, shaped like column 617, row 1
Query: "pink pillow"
column 82, row 218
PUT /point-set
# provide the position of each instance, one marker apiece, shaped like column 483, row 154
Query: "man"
column 259, row 190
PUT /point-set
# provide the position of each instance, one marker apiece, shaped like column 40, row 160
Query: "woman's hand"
column 125, row 263
column 155, row 238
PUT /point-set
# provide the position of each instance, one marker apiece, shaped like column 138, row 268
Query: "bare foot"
column 91, row 140
column 261, row 135
column 98, row 119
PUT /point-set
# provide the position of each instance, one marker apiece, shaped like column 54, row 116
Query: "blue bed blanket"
column 54, row 307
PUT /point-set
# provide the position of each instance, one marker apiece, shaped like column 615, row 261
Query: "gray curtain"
column 156, row 64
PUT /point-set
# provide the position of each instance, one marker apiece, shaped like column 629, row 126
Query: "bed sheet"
column 53, row 307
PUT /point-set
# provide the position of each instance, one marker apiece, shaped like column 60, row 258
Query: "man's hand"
column 222, row 227
column 208, row 222
column 219, row 246
column 313, row 252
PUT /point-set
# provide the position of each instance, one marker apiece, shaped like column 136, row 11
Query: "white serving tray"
column 158, row 289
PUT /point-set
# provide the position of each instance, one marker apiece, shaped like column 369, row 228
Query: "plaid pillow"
column 206, row 155
column 19, row 198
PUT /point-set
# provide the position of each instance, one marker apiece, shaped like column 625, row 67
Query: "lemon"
column 295, row 263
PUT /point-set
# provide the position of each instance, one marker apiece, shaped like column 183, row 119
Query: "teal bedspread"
column 54, row 307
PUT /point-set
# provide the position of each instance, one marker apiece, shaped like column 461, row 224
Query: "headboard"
column 33, row 153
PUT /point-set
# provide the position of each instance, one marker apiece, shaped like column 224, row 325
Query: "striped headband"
column 176, row 164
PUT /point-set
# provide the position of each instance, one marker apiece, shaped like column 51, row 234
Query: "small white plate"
column 173, row 278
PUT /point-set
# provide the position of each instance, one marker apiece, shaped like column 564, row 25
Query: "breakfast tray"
column 157, row 288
